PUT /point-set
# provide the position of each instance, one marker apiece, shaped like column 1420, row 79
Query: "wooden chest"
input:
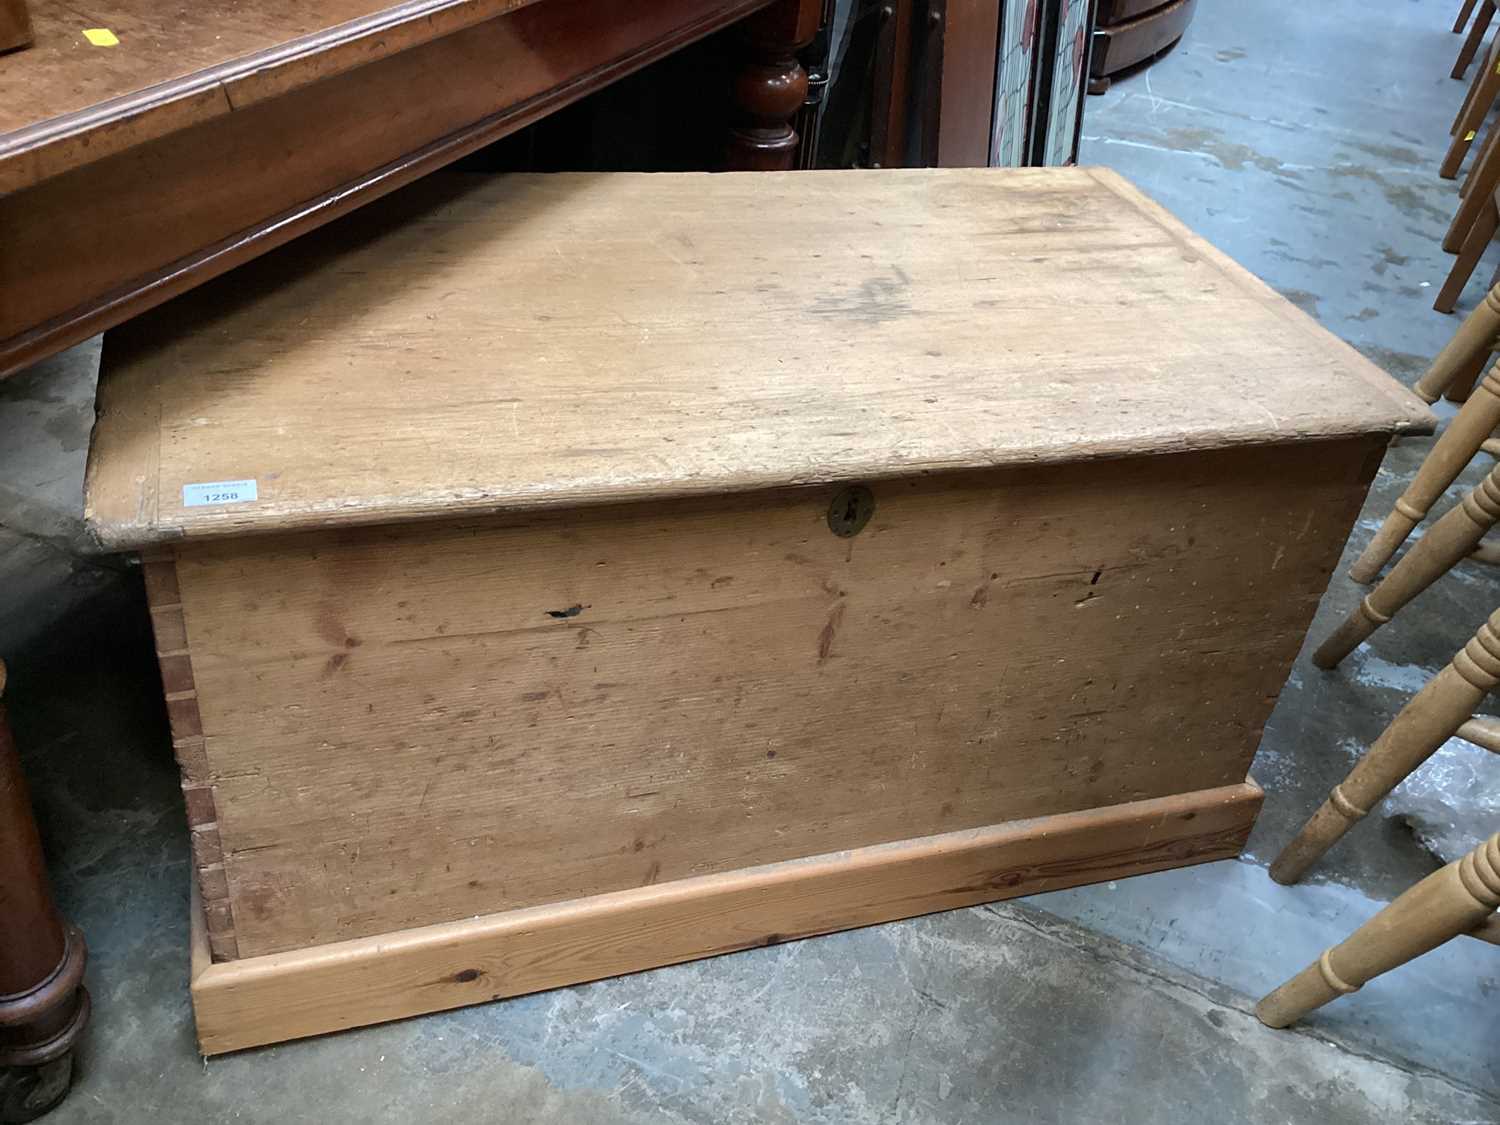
column 556, row 576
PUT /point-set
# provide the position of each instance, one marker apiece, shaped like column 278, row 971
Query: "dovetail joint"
column 174, row 658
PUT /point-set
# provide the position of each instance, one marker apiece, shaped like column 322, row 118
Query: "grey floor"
column 1301, row 138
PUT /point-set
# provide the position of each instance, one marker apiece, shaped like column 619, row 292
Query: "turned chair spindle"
column 1460, row 439
column 1462, row 897
column 1432, row 717
column 1453, row 538
column 1458, row 899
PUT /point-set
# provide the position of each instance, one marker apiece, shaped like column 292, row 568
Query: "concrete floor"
column 1303, row 140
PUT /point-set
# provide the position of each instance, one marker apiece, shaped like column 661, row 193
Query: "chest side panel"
column 410, row 725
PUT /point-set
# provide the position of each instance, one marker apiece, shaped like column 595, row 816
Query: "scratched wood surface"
column 510, row 343
column 413, row 724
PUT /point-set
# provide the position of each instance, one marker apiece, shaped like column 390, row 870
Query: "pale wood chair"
column 1442, row 709
column 1463, row 437
column 1458, row 899
column 1453, row 538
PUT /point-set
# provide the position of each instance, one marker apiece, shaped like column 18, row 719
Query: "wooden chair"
column 1476, row 219
column 1451, row 539
column 1462, row 359
column 1471, row 115
column 1471, row 229
column 1458, row 899
column 1474, row 224
column 1442, row 709
column 1475, row 37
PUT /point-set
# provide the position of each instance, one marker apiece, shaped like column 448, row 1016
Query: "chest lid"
column 498, row 343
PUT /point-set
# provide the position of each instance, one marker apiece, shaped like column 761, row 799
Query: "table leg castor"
column 27, row 1092
column 43, row 1004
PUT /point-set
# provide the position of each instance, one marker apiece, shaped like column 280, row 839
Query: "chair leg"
column 1462, row 387
column 1463, row 16
column 1448, row 543
column 1463, row 107
column 1449, row 902
column 1464, row 379
column 1469, row 254
column 1427, row 721
column 1460, row 440
column 1471, row 117
column 1470, row 48
column 1478, row 170
column 1471, row 343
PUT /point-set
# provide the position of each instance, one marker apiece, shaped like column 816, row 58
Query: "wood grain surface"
column 971, row 36
column 391, row 727
column 309, row 992
column 65, row 102
column 504, row 344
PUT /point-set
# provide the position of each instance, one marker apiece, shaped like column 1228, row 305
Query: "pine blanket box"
column 559, row 576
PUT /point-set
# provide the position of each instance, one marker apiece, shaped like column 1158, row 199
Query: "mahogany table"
column 212, row 132
column 145, row 157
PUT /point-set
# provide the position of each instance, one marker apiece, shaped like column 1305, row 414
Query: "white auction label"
column 218, row 492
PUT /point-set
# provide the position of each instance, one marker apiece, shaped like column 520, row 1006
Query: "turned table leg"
column 1460, row 440
column 770, row 86
column 1449, row 902
column 1431, row 718
column 43, row 1004
column 1450, row 540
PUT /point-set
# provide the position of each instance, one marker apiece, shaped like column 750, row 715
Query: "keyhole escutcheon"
column 850, row 510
